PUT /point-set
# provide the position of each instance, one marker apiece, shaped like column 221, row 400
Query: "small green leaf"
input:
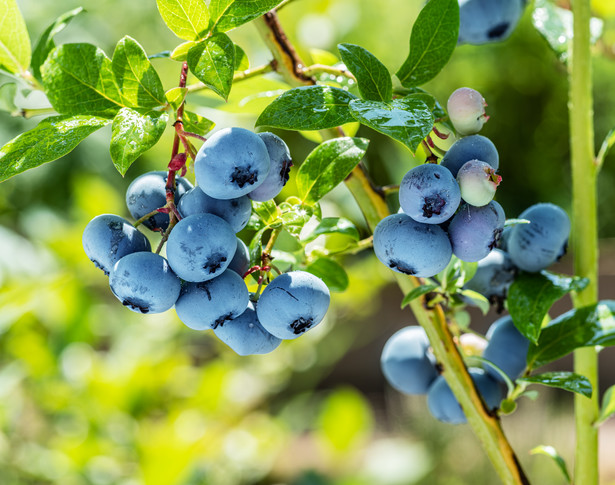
column 53, row 138
column 308, row 108
column 180, row 53
column 569, row 381
column 607, row 144
column 532, row 294
column 46, row 43
column 293, row 215
column 330, row 272
column 187, row 19
column 552, row 453
column 432, row 42
column 14, row 39
column 212, row 61
column 135, row 76
column 555, row 25
column 407, row 120
column 373, row 78
column 175, row 97
column 608, row 406
column 416, row 293
column 196, row 123
column 327, row 166
column 256, row 246
column 134, row 132
column 241, row 59
column 78, row 79
column 334, row 225
column 7, row 97
column 477, row 299
column 582, row 327
column 267, row 211
column 228, row 14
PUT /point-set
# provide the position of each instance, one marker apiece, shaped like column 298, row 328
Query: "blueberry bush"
column 239, row 235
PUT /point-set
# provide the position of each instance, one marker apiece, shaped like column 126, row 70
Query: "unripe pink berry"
column 466, row 110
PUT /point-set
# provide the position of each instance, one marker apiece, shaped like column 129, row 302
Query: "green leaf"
column 53, row 138
column 212, row 61
column 416, row 293
column 552, row 453
column 134, row 132
column 569, row 381
column 187, row 19
column 373, row 78
column 267, row 211
column 180, row 53
column 477, row 299
column 582, row 327
column 135, row 76
column 608, row 406
column 407, row 120
column 327, row 166
column 241, row 59
column 7, row 97
column 607, row 144
column 308, row 108
column 78, row 79
column 532, row 294
column 432, row 42
column 334, row 225
column 555, row 25
column 46, row 43
column 330, row 272
column 175, row 96
column 196, row 123
column 14, row 39
column 256, row 246
column 228, row 14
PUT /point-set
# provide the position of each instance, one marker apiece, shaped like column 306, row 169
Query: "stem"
column 239, row 76
column 373, row 205
column 30, row 112
column 324, row 69
column 584, row 233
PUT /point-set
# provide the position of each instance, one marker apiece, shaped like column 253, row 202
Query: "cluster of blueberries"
column 484, row 21
column 202, row 275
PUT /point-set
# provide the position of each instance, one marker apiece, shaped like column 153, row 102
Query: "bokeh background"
column 91, row 393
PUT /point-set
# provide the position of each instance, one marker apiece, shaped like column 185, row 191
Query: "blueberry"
column 537, row 245
column 147, row 193
column 210, row 304
column 507, row 348
column 466, row 110
column 292, row 304
column 478, row 182
column 145, row 283
column 443, row 405
column 108, row 238
column 494, row 275
column 406, row 362
column 411, row 247
column 201, row 247
column 278, row 171
column 474, row 147
column 483, row 21
column 429, row 194
column 241, row 261
column 246, row 336
column 231, row 163
column 474, row 231
column 234, row 211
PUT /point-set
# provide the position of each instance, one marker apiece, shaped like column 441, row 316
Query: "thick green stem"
column 584, row 233
column 373, row 205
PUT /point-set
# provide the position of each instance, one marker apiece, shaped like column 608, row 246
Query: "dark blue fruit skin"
column 201, row 247
column 410, row 247
column 475, row 231
column 474, row 147
column 484, row 21
column 240, row 263
column 443, row 405
column 494, row 275
column 147, row 193
column 292, row 304
column 278, row 170
column 145, row 283
column 429, row 194
column 507, row 348
column 231, row 163
column 234, row 211
column 246, row 336
column 535, row 246
column 212, row 303
column 107, row 238
column 406, row 362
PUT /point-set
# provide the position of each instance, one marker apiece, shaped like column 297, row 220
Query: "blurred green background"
column 91, row 393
